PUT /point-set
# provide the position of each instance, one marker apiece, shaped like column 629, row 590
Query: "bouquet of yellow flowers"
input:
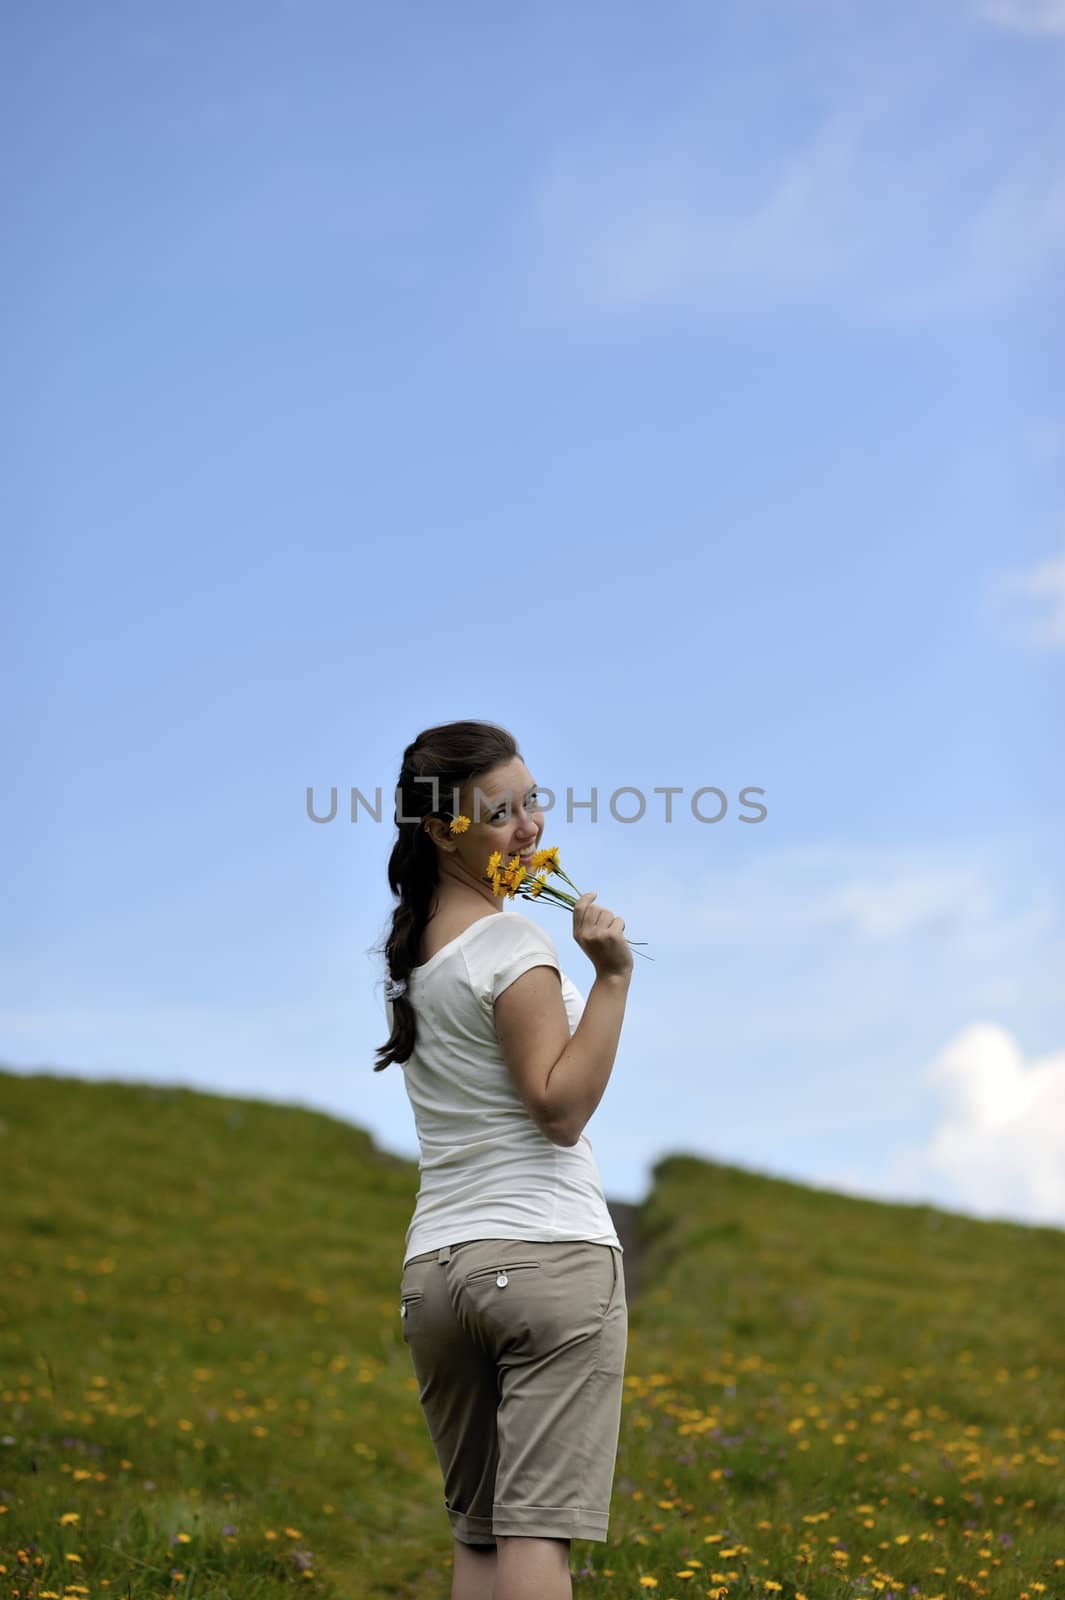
column 530, row 883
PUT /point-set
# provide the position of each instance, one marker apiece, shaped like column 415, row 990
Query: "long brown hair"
column 455, row 753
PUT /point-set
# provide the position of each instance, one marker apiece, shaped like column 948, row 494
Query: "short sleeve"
column 518, row 944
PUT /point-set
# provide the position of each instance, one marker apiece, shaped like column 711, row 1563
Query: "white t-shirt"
column 487, row 1172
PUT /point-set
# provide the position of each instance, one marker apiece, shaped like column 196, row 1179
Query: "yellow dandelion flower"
column 493, row 861
column 459, row 824
column 69, row 1516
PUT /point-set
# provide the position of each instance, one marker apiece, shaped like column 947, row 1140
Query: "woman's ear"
column 438, row 831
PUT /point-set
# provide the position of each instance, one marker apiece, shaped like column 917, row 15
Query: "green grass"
column 204, row 1390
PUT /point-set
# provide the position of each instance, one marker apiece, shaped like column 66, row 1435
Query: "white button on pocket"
column 501, row 1273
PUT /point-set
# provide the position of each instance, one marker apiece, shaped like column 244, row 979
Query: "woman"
column 513, row 1292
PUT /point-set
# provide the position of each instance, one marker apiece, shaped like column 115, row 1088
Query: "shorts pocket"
column 407, row 1304
column 501, row 1270
column 614, row 1338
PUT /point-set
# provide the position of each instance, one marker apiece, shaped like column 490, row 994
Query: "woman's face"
column 511, row 821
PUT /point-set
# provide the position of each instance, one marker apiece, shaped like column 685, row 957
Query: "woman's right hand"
column 601, row 935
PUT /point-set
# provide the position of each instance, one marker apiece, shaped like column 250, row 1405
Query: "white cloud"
column 1044, row 582
column 965, row 894
column 1026, row 16
column 996, row 1140
column 1000, row 1142
column 901, row 901
column 825, row 956
column 884, row 212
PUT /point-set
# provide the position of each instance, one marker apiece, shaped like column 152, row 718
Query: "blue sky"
column 681, row 389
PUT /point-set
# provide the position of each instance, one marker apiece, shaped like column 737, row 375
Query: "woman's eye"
column 534, row 797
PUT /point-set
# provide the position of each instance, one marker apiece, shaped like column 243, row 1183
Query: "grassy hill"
column 204, row 1389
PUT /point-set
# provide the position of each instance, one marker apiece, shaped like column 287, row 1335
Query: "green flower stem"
column 556, row 896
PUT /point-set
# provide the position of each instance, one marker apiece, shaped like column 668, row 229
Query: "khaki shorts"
column 519, row 1352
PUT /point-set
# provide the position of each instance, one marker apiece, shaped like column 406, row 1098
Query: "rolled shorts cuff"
column 471, row 1530
column 550, row 1522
